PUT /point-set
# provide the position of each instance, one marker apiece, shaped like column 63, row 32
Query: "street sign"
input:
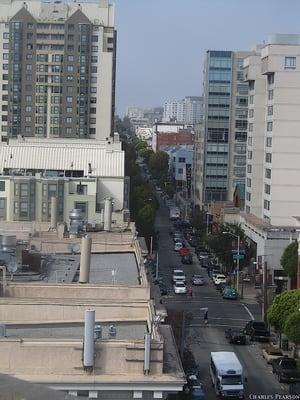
column 238, row 256
column 242, row 251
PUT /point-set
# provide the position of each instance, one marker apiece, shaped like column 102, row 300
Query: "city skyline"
column 149, row 63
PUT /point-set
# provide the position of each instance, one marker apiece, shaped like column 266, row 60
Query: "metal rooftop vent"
column 112, row 331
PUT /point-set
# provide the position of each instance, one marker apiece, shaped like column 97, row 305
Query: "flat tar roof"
column 124, row 331
column 106, row 268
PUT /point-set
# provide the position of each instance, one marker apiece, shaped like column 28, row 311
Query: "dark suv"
column 257, row 330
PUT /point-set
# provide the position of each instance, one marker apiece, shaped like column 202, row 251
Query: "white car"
column 179, row 288
column 220, row 278
column 178, row 276
column 178, row 246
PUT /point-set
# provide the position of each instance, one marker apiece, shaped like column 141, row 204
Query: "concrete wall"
column 61, row 359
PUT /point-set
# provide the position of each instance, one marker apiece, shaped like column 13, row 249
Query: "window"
column 180, row 171
column 28, row 98
column 70, row 68
column 23, row 209
column 268, row 157
column 69, row 99
column 5, row 45
column 270, row 110
column 93, row 79
column 94, row 38
column 93, row 110
column 249, row 155
column 250, row 127
column 16, row 207
column 270, row 79
column 69, row 120
column 268, row 142
column 181, row 159
column 70, row 58
column 270, row 94
column 69, row 78
column 5, row 56
column 267, row 189
column 268, row 173
column 93, row 69
column 93, row 90
column 23, row 189
column 30, row 25
column 250, row 141
column 28, row 118
column 251, row 99
column 290, row 62
column 251, row 113
column 5, row 35
column 241, row 124
column 248, row 196
column 28, row 109
column 94, row 59
column 92, row 120
column 82, row 189
column 2, row 186
column 52, row 190
column 248, row 182
column 269, row 126
column 94, row 49
column 266, row 205
column 93, row 100
column 69, row 109
column 249, row 168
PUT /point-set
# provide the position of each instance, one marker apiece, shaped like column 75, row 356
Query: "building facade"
column 273, row 75
column 188, row 110
column 171, row 134
column 57, row 69
column 225, row 103
column 81, row 174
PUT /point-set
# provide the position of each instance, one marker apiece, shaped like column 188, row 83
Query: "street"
column 201, row 339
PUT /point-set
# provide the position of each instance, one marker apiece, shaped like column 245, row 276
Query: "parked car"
column 197, row 280
column 184, row 251
column 229, row 293
column 178, row 276
column 236, row 336
column 178, row 246
column 271, row 353
column 164, row 291
column 257, row 330
column 187, row 259
column 194, row 387
column 219, row 278
column 286, row 369
column 179, row 287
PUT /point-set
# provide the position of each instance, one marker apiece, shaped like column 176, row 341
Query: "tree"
column 145, row 153
column 159, row 164
column 292, row 329
column 145, row 219
column 289, row 259
column 282, row 307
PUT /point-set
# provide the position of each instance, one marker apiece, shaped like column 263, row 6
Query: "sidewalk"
column 251, row 295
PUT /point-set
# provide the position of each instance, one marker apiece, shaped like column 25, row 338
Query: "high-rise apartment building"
column 272, row 185
column 57, row 69
column 225, row 104
column 188, row 110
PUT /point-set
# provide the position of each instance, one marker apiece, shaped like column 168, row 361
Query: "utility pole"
column 238, row 265
column 265, row 291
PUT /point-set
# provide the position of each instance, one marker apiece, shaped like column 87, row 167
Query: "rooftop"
column 124, row 330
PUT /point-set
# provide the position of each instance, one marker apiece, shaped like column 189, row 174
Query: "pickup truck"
column 257, row 330
column 286, row 369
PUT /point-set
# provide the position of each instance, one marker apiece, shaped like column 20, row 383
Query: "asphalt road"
column 201, row 339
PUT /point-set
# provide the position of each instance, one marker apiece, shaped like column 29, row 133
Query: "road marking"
column 213, row 325
column 248, row 311
column 229, row 319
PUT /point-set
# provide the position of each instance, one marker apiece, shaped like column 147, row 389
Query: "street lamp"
column 238, row 258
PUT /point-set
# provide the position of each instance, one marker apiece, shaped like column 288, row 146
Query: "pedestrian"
column 190, row 291
column 205, row 316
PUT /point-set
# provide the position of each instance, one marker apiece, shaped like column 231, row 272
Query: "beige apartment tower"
column 273, row 153
column 57, row 69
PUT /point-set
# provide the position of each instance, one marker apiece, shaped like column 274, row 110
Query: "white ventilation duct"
column 53, row 220
column 89, row 342
column 107, row 214
column 85, row 259
column 147, row 354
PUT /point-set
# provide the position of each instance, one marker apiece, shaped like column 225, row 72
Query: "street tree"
column 292, row 329
column 145, row 219
column 282, row 307
column 145, row 153
column 159, row 164
column 289, row 259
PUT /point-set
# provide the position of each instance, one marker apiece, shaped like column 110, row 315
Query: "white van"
column 227, row 375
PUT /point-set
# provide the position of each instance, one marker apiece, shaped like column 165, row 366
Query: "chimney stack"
column 107, row 214
column 85, row 259
column 89, row 342
column 53, row 213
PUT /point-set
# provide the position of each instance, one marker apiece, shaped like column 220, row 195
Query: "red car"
column 184, row 252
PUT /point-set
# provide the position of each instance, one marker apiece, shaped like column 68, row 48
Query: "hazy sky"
column 162, row 43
